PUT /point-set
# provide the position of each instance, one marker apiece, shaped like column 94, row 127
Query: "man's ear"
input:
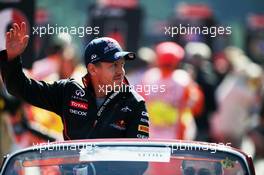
column 91, row 68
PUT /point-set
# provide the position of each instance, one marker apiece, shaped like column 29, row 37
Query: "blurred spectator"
column 8, row 108
column 15, row 132
column 237, row 97
column 70, row 65
column 170, row 107
column 147, row 57
column 48, row 66
column 221, row 66
column 256, row 142
column 198, row 57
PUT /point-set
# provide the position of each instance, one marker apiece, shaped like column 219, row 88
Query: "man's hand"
column 16, row 40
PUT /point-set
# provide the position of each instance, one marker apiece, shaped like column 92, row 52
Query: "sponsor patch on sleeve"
column 143, row 128
column 142, row 136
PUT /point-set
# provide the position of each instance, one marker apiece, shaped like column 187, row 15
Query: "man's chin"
column 118, row 82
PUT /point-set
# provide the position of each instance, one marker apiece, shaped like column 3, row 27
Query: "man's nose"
column 120, row 69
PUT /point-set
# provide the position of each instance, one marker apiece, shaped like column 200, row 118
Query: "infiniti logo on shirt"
column 80, row 93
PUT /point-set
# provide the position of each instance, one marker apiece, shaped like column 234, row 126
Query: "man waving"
column 105, row 108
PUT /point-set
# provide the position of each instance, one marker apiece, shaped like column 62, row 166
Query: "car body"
column 128, row 156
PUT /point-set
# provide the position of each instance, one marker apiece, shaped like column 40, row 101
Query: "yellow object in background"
column 49, row 120
column 162, row 114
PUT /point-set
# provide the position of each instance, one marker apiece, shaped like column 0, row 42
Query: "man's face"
column 111, row 74
column 199, row 168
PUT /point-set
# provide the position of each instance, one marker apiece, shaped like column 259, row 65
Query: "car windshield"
column 91, row 159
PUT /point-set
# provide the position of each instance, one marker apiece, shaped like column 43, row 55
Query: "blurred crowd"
column 213, row 96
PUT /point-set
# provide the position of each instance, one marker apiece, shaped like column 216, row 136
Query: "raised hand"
column 16, row 40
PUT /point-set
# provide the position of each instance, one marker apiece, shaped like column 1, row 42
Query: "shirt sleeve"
column 38, row 93
column 138, row 126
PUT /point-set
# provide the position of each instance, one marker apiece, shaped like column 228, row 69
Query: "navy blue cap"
column 105, row 49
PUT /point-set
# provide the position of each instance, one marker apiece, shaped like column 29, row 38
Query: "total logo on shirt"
column 79, row 105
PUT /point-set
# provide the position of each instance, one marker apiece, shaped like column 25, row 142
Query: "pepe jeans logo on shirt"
column 80, row 93
column 77, row 112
